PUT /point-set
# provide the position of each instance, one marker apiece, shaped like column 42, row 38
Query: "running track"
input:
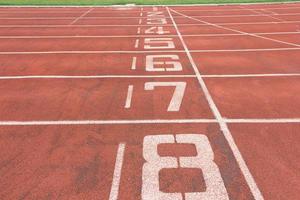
column 170, row 103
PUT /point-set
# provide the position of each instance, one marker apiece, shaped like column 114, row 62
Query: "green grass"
column 114, row 2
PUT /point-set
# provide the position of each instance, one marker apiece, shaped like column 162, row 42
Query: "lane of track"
column 196, row 30
column 134, row 21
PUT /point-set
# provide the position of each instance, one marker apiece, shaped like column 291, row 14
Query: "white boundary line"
column 150, row 5
column 224, row 128
column 136, row 36
column 260, row 121
column 229, row 10
column 114, row 192
column 150, row 51
column 91, row 52
column 142, row 25
column 241, row 50
column 58, row 9
column 95, row 36
column 94, row 76
column 237, row 31
column 249, row 75
column 148, row 121
column 244, row 23
column 147, row 76
column 104, row 122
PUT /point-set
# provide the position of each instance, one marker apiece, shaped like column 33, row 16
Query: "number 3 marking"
column 215, row 189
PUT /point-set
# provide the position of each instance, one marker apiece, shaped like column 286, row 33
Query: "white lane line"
column 272, row 121
column 279, row 5
column 242, row 50
column 147, row 121
column 146, row 76
column 133, row 65
column 93, row 76
column 86, row 36
column 141, row 15
column 81, row 16
column 139, row 31
column 104, row 122
column 238, row 34
column 136, row 45
column 229, row 10
column 129, row 97
column 148, row 51
column 140, row 21
column 114, row 192
column 92, row 52
column 250, row 75
column 134, row 25
column 224, row 128
column 237, row 31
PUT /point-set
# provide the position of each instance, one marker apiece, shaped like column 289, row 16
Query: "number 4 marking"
column 177, row 95
column 156, row 30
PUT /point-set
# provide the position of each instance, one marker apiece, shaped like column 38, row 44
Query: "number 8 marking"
column 215, row 188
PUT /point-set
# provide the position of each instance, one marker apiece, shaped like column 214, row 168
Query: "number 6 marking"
column 215, row 189
column 151, row 61
column 177, row 95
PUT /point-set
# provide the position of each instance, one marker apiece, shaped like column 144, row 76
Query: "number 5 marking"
column 159, row 43
column 215, row 188
column 177, row 95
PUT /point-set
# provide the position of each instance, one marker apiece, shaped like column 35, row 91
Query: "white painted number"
column 152, row 65
column 159, row 43
column 156, row 30
column 160, row 21
column 215, row 189
column 155, row 14
column 177, row 95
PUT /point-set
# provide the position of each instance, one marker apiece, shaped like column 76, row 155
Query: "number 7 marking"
column 177, row 95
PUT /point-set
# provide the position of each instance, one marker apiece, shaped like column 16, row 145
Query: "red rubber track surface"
column 84, row 88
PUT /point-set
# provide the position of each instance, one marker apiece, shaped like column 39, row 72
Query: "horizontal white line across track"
column 145, row 76
column 146, row 121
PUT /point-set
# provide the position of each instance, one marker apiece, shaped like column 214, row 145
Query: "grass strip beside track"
column 138, row 2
